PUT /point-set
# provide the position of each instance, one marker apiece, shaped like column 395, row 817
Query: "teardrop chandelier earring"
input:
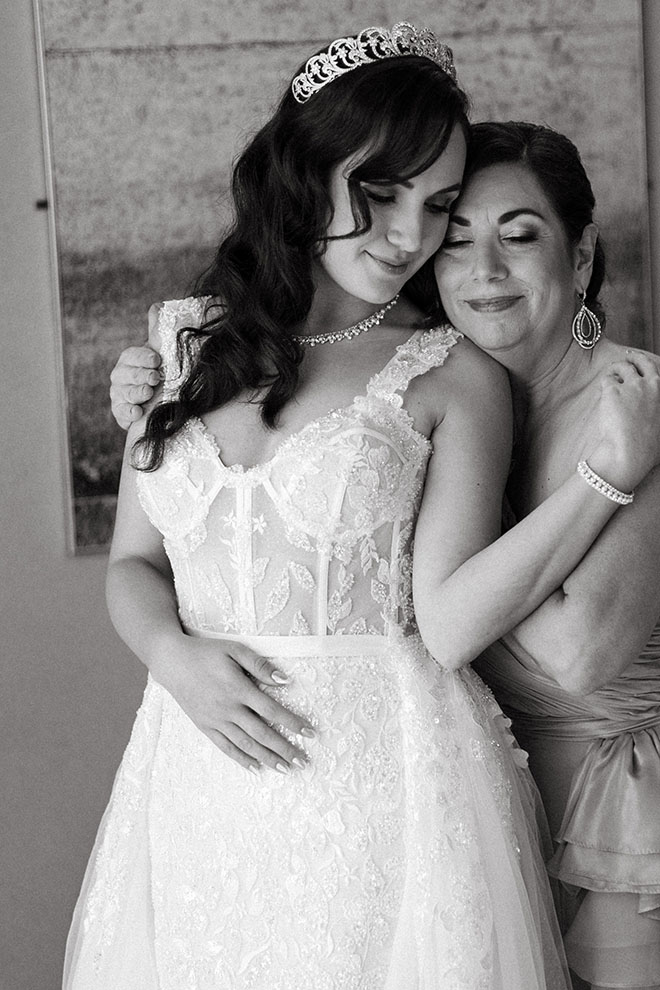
column 586, row 326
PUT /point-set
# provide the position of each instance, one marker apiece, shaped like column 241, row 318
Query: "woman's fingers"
column 256, row 745
column 125, row 413
column 636, row 364
column 259, row 667
column 267, row 744
column 265, row 672
column 133, row 380
column 222, row 696
column 230, row 749
column 142, row 357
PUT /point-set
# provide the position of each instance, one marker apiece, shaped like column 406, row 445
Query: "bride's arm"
column 214, row 682
column 468, row 590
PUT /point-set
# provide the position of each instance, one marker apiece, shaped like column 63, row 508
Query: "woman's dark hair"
column 396, row 116
column 557, row 167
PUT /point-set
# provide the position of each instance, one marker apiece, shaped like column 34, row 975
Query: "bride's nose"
column 406, row 231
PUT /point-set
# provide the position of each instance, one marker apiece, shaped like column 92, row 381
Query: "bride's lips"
column 495, row 304
column 390, row 267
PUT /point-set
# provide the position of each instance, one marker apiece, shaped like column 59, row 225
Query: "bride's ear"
column 584, row 252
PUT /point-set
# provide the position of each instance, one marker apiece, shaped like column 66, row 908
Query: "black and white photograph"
column 331, row 501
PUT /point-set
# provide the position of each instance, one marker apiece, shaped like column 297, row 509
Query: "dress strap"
column 424, row 350
column 165, row 321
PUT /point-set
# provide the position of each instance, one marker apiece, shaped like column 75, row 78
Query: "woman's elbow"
column 586, row 670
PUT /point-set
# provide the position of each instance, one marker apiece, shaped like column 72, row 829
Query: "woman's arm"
column 596, row 624
column 468, row 593
column 213, row 682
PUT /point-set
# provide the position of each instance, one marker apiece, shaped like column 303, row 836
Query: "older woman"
column 520, row 266
column 519, row 273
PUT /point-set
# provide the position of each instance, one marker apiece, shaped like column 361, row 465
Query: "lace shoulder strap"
column 424, row 350
column 165, row 320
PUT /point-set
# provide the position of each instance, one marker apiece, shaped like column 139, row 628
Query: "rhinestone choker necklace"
column 349, row 332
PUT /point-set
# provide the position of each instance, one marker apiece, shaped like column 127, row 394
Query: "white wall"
column 58, row 654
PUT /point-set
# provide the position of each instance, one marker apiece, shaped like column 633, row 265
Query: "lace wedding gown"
column 405, row 855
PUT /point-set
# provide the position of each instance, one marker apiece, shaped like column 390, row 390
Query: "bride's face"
column 409, row 221
column 506, row 270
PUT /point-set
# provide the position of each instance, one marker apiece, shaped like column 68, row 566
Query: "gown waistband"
column 301, row 646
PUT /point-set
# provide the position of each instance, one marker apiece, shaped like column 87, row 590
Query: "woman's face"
column 506, row 271
column 409, row 221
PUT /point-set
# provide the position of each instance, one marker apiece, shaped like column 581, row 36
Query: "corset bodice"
column 318, row 539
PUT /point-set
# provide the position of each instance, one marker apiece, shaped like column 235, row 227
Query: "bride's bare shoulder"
column 468, row 384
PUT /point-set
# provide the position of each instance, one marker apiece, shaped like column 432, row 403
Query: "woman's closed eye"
column 521, row 237
column 455, row 241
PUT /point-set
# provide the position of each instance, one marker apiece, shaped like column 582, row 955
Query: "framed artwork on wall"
column 146, row 102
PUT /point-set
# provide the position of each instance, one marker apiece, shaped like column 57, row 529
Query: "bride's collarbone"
column 329, row 381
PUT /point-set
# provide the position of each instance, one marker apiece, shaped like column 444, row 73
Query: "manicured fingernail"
column 298, row 762
column 281, row 768
column 279, row 677
column 309, row 733
column 254, row 770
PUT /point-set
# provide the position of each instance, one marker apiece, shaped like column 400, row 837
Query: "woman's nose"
column 487, row 261
column 406, row 231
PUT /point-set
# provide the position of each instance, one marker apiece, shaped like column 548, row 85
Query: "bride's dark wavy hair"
column 396, row 117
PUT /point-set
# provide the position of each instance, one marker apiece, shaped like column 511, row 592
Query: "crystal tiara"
column 370, row 45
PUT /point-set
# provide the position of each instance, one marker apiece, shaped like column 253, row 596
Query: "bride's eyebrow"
column 407, row 184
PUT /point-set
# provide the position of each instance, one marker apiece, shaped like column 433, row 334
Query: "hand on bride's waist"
column 216, row 683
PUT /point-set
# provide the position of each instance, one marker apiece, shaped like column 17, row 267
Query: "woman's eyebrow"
column 512, row 214
column 504, row 218
column 407, row 184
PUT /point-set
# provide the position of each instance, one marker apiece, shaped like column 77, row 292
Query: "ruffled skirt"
column 405, row 856
column 596, row 760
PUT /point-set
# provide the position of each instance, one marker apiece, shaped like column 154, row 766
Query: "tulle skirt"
column 405, row 856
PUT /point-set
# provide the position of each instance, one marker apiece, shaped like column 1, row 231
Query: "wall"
column 69, row 687
column 58, row 653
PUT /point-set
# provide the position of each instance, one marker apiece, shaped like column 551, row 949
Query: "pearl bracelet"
column 602, row 486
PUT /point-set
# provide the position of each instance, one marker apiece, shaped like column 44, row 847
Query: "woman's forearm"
column 592, row 628
column 496, row 588
column 142, row 605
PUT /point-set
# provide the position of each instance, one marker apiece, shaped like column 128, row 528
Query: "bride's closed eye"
column 379, row 197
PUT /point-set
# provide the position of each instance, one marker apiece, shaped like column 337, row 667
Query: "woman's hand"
column 133, row 380
column 628, row 414
column 216, row 684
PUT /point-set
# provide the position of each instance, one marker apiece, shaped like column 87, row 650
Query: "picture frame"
column 145, row 105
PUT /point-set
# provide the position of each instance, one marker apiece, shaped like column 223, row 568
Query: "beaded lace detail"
column 318, row 539
column 392, row 859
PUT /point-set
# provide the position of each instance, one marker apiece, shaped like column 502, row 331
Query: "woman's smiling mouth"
column 391, row 267
column 493, row 304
